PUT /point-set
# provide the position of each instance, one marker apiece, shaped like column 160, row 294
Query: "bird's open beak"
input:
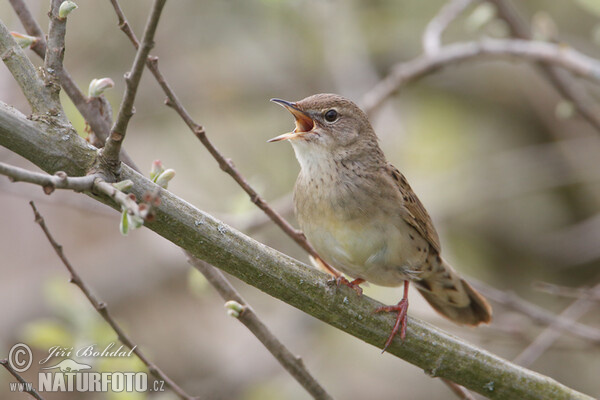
column 304, row 123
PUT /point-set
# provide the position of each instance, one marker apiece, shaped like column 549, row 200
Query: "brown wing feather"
column 417, row 216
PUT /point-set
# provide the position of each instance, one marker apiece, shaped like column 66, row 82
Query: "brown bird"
column 362, row 217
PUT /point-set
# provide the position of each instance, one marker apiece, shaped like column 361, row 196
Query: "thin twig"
column 117, row 134
column 92, row 109
column 432, row 37
column 566, row 291
column 282, row 277
column 224, row 163
column 55, row 50
column 25, row 74
column 248, row 317
column 458, row 390
column 545, row 339
column 516, row 49
column 26, row 388
column 565, row 84
column 537, row 313
column 60, row 180
column 102, row 309
column 89, row 183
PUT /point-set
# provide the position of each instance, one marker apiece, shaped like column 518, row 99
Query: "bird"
column 362, row 217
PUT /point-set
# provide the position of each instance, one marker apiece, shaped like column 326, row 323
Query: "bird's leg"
column 354, row 285
column 401, row 319
column 338, row 278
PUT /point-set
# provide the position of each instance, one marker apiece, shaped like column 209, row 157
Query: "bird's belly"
column 381, row 253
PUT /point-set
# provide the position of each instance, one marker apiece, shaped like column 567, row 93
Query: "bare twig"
column 132, row 79
column 89, row 183
column 102, row 309
column 576, row 310
column 458, row 390
column 248, row 317
column 60, row 180
column 224, row 163
column 561, row 80
column 438, row 353
column 25, row 74
column 55, row 51
column 4, row 362
column 536, row 313
column 566, row 291
column 516, row 49
column 92, row 109
column 292, row 364
column 432, row 37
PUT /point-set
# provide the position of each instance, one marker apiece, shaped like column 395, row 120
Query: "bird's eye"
column 331, row 116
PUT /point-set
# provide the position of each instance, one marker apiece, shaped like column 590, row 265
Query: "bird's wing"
column 416, row 215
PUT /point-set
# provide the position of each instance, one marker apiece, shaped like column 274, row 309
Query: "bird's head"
column 328, row 122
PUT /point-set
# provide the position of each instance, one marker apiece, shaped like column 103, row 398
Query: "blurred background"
column 508, row 171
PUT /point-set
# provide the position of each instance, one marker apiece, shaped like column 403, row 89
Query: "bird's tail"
column 453, row 297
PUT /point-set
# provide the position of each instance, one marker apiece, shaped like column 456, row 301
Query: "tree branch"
column 224, row 163
column 572, row 313
column 102, row 309
column 536, row 313
column 432, row 37
column 248, row 317
column 89, row 183
column 516, row 49
column 92, row 109
column 438, row 353
column 25, row 74
column 4, row 362
column 55, row 52
column 561, row 80
column 117, row 134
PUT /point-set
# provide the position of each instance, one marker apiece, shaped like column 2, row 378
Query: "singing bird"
column 362, row 217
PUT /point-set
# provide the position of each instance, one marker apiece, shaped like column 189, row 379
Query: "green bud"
column 24, row 41
column 163, row 179
column 234, row 309
column 65, row 9
column 156, row 169
column 123, row 186
column 98, row 86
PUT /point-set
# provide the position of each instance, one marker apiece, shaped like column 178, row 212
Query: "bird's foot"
column 354, row 285
column 401, row 320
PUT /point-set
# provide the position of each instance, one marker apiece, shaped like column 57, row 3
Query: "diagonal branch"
column 224, row 163
column 102, row 309
column 438, row 353
column 25, row 74
column 4, row 362
column 545, row 339
column 248, row 317
column 515, row 49
column 565, row 84
column 432, row 37
column 92, row 109
column 55, row 52
column 117, row 134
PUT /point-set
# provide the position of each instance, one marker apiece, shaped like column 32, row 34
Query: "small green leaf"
column 24, row 41
column 124, row 224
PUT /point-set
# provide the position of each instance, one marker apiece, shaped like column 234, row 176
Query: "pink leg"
column 354, row 285
column 400, row 325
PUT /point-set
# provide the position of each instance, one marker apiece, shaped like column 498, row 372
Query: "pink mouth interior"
column 303, row 123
